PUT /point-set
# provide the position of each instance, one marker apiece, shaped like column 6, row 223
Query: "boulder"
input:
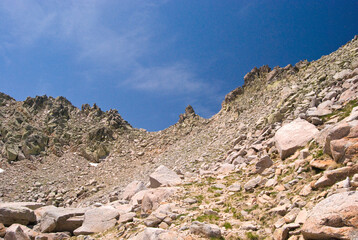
column 14, row 229
column 10, row 214
column 97, row 220
column 330, row 177
column 235, row 187
column 126, row 217
column 294, row 135
column 346, row 73
column 226, row 168
column 336, row 217
column 337, row 132
column 263, row 163
column 2, row 230
column 15, row 232
column 150, row 233
column 152, row 198
column 61, row 219
column 164, row 177
column 31, row 205
column 132, row 188
column 208, row 230
column 252, row 183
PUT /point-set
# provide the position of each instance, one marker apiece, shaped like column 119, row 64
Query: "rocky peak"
column 189, row 114
column 256, row 73
column 4, row 98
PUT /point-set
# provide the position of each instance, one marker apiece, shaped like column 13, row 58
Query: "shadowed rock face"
column 43, row 125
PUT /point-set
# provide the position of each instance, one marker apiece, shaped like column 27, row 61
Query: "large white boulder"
column 164, row 177
column 61, row 219
column 98, row 220
column 150, row 233
column 132, row 188
column 294, row 135
column 10, row 214
column 336, row 217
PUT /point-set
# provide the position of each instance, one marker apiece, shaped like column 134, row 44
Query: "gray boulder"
column 15, row 232
column 97, row 220
column 208, row 230
column 150, row 233
column 31, row 205
column 16, row 214
column 61, row 219
column 132, row 188
column 164, row 177
column 263, row 163
column 252, row 183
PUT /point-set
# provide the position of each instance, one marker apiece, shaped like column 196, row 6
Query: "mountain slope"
column 57, row 154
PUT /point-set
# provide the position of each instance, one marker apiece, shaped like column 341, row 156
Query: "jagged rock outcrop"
column 189, row 114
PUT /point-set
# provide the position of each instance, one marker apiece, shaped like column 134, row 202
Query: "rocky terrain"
column 279, row 161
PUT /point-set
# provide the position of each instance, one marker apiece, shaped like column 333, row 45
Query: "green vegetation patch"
column 252, row 236
column 207, row 218
column 343, row 112
column 227, row 225
column 199, row 198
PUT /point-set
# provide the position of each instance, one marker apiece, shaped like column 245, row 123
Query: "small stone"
column 252, row 183
column 306, row 190
column 291, row 216
column 263, row 163
column 219, row 186
column 190, row 200
column 236, row 187
column 304, row 153
column 127, row 217
column 280, row 234
column 301, row 217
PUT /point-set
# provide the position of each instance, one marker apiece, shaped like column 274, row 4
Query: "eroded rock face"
column 294, row 135
column 163, row 177
column 336, row 217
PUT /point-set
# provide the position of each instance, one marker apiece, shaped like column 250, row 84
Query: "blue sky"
column 150, row 59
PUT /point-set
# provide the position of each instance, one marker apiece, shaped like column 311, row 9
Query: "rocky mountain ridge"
column 281, row 144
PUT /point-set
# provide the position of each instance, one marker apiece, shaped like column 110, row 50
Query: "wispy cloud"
column 172, row 78
column 110, row 41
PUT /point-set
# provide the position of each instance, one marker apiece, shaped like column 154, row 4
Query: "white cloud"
column 113, row 36
column 172, row 78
